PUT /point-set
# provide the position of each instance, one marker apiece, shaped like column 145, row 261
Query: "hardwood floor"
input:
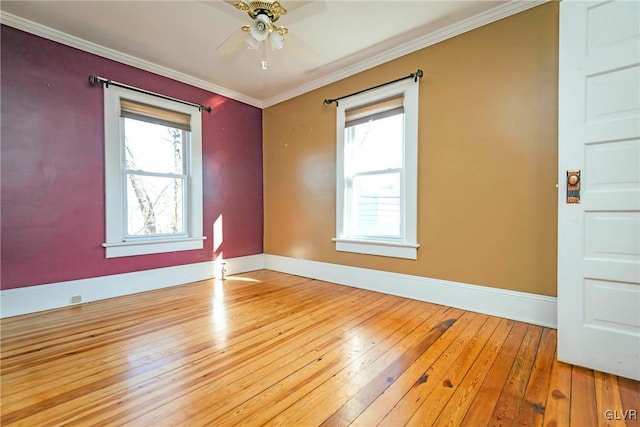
column 266, row 348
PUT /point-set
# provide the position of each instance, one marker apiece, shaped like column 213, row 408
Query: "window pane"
column 153, row 148
column 154, row 205
column 376, row 205
column 375, row 145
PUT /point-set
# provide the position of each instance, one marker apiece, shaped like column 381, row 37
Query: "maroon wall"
column 53, row 219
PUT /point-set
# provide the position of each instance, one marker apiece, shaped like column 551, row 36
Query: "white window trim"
column 116, row 245
column 408, row 246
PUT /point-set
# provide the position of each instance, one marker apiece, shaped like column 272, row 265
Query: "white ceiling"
column 330, row 39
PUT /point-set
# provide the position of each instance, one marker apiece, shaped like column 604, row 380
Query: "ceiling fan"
column 262, row 33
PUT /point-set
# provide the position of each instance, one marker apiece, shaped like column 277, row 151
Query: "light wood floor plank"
column 433, row 376
column 557, row 408
column 341, row 359
column 533, row 408
column 82, row 359
column 487, row 397
column 156, row 358
column 630, row 398
column 237, row 348
column 456, row 408
column 379, row 408
column 511, row 399
column 433, row 405
column 314, row 353
column 266, row 348
column 583, row 398
column 608, row 400
column 352, row 386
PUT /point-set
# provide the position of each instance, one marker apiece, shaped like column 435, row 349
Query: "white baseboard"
column 31, row 299
column 243, row 264
column 521, row 306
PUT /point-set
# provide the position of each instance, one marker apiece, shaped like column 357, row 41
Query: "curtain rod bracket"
column 415, row 76
column 328, row 102
column 95, row 80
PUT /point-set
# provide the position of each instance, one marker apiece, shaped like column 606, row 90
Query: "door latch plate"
column 573, row 186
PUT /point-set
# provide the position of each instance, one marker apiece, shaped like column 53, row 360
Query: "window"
column 153, row 174
column 377, row 147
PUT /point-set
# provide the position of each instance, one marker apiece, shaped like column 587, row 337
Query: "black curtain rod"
column 95, row 80
column 415, row 76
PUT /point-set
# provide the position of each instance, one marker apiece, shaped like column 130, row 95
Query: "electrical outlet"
column 76, row 299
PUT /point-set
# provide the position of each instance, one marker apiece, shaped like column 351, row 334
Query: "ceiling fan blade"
column 298, row 49
column 293, row 52
column 233, row 43
column 223, row 6
column 301, row 10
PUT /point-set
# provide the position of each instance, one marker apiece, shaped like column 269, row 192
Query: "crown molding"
column 96, row 49
column 503, row 11
column 492, row 15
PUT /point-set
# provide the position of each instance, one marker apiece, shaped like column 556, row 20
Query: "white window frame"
column 117, row 243
column 407, row 245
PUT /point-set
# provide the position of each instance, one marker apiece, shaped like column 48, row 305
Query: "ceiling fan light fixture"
column 252, row 43
column 260, row 28
column 276, row 40
column 264, row 14
column 272, row 9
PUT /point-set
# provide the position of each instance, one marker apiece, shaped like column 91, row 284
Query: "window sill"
column 152, row 246
column 377, row 247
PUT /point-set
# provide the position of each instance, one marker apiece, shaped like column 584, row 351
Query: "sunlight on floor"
column 243, row 279
column 218, row 313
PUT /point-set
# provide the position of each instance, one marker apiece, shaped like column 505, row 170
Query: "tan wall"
column 487, row 160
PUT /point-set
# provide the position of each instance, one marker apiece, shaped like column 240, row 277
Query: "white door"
column 599, row 238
